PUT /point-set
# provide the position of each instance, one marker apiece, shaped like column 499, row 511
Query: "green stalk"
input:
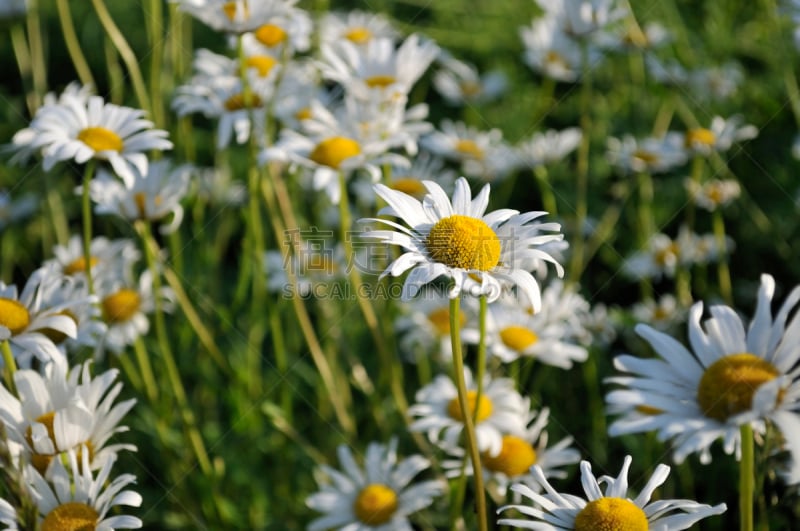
column 645, row 225
column 10, row 364
column 154, row 18
column 746, row 479
column 126, row 53
column 723, row 270
column 582, row 169
column 546, row 190
column 173, row 375
column 469, row 427
column 73, row 44
column 38, row 62
column 86, row 212
column 23, row 56
column 146, row 370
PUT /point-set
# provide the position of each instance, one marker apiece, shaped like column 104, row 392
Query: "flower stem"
column 469, row 427
column 86, row 210
column 746, row 479
column 10, row 364
column 73, row 44
column 190, row 423
column 146, row 370
column 154, row 18
column 722, row 266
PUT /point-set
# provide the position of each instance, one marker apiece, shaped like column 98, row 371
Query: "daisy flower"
column 653, row 35
column 457, row 239
column 377, row 67
column 76, row 499
column 662, row 314
column 479, row 152
column 552, row 53
column 548, row 147
column 713, row 194
column 299, row 85
column 612, row 509
column 80, row 129
column 107, row 257
column 513, row 333
column 379, row 496
column 222, row 97
column 25, row 320
column 281, row 36
column 731, row 376
column 719, row 136
column 125, row 308
column 581, row 18
column 409, row 179
column 235, row 16
column 662, row 257
column 64, row 410
column 459, row 82
column 8, row 515
column 358, row 27
column 13, row 8
column 517, row 456
column 500, row 411
column 652, row 155
column 216, row 186
column 151, row 196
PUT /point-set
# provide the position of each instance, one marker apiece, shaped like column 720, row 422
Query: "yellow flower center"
column 440, row 319
column 648, row 157
column 71, row 516
column 270, row 35
column 79, row 265
column 644, row 409
column 381, row 81
column 515, row 458
column 464, row 242
column 410, row 186
column 262, row 63
column 728, row 385
column 237, row 102
column 333, row 151
column 518, row 338
column 57, row 336
column 121, row 306
column 701, row 136
column 14, row 315
column 470, row 149
column 230, row 9
column 666, row 255
column 42, row 461
column 611, row 514
column 556, row 59
column 101, row 139
column 303, row 114
column 470, row 88
column 375, row 504
column 358, row 35
column 484, row 407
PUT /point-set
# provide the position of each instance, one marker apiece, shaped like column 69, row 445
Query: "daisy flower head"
column 513, row 332
column 548, row 147
column 581, row 18
column 75, row 498
column 651, row 155
column 731, row 376
column 631, row 38
column 81, row 129
column 662, row 314
column 719, row 136
column 235, row 16
column 713, row 194
column 610, row 509
column 282, row 36
column 65, row 409
column 107, row 257
column 27, row 321
column 380, row 495
column 358, row 27
column 498, row 411
column 300, row 84
column 223, row 97
column 551, row 52
column 517, row 456
column 409, row 179
column 457, row 239
column 377, row 67
column 482, row 154
column 335, row 142
column 459, row 82
column 125, row 307
column 152, row 196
